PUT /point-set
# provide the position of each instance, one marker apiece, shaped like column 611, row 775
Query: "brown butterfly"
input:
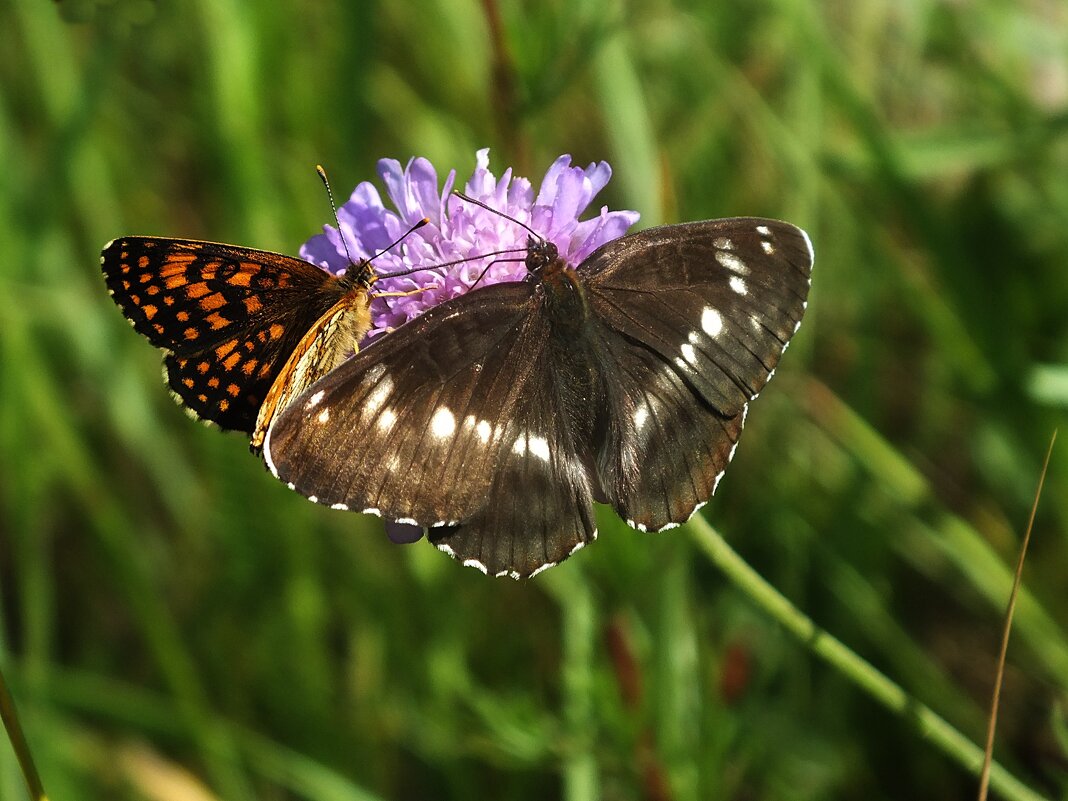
column 245, row 331
column 498, row 417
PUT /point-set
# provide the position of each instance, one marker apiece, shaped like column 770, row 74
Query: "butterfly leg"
column 401, row 294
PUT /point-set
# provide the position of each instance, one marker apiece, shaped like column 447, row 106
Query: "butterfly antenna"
column 498, row 212
column 456, row 261
column 333, row 207
column 401, row 238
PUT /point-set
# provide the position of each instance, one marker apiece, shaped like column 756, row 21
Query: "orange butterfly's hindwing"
column 332, row 340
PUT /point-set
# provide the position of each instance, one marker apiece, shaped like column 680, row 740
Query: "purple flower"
column 461, row 230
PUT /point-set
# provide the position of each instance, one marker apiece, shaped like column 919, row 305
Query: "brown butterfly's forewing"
column 230, row 318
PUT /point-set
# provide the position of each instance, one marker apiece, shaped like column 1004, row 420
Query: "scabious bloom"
column 460, row 230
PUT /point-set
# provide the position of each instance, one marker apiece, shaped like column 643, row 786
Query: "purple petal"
column 460, row 231
column 320, row 250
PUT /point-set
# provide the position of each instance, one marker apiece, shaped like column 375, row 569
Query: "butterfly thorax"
column 564, row 294
column 572, row 343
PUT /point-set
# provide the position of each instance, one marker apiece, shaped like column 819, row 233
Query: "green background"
column 176, row 622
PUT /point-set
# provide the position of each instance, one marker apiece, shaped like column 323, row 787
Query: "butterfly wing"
column 451, row 418
column 331, row 340
column 694, row 319
column 538, row 508
column 227, row 316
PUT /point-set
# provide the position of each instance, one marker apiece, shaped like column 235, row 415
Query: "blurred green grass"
column 168, row 607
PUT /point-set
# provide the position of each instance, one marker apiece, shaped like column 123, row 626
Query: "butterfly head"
column 360, row 274
column 540, row 254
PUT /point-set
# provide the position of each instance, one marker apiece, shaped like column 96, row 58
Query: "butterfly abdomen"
column 566, row 302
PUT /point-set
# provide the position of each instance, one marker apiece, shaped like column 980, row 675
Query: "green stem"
column 579, row 627
column 859, row 671
column 18, row 742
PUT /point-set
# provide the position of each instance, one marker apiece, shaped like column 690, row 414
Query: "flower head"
column 449, row 254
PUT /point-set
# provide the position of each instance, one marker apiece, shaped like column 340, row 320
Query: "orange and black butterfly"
column 245, row 331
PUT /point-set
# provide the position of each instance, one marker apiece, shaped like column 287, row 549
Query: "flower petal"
column 463, row 243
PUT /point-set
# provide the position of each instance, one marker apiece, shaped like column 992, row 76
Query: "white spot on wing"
column 313, row 498
column 406, row 521
column 808, row 244
column 313, row 401
column 341, row 507
column 378, row 395
column 547, row 565
column 520, row 446
column 711, row 322
column 641, row 414
column 442, row 424
column 688, row 353
column 324, row 415
column 732, row 262
column 477, row 565
column 723, row 243
column 763, row 230
column 483, row 429
column 768, row 247
column 738, row 285
column 539, row 446
column 639, row 526
column 387, row 419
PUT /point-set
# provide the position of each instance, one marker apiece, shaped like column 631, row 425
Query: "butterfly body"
column 239, row 327
column 498, row 417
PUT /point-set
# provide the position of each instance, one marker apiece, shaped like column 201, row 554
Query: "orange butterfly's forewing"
column 230, row 319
